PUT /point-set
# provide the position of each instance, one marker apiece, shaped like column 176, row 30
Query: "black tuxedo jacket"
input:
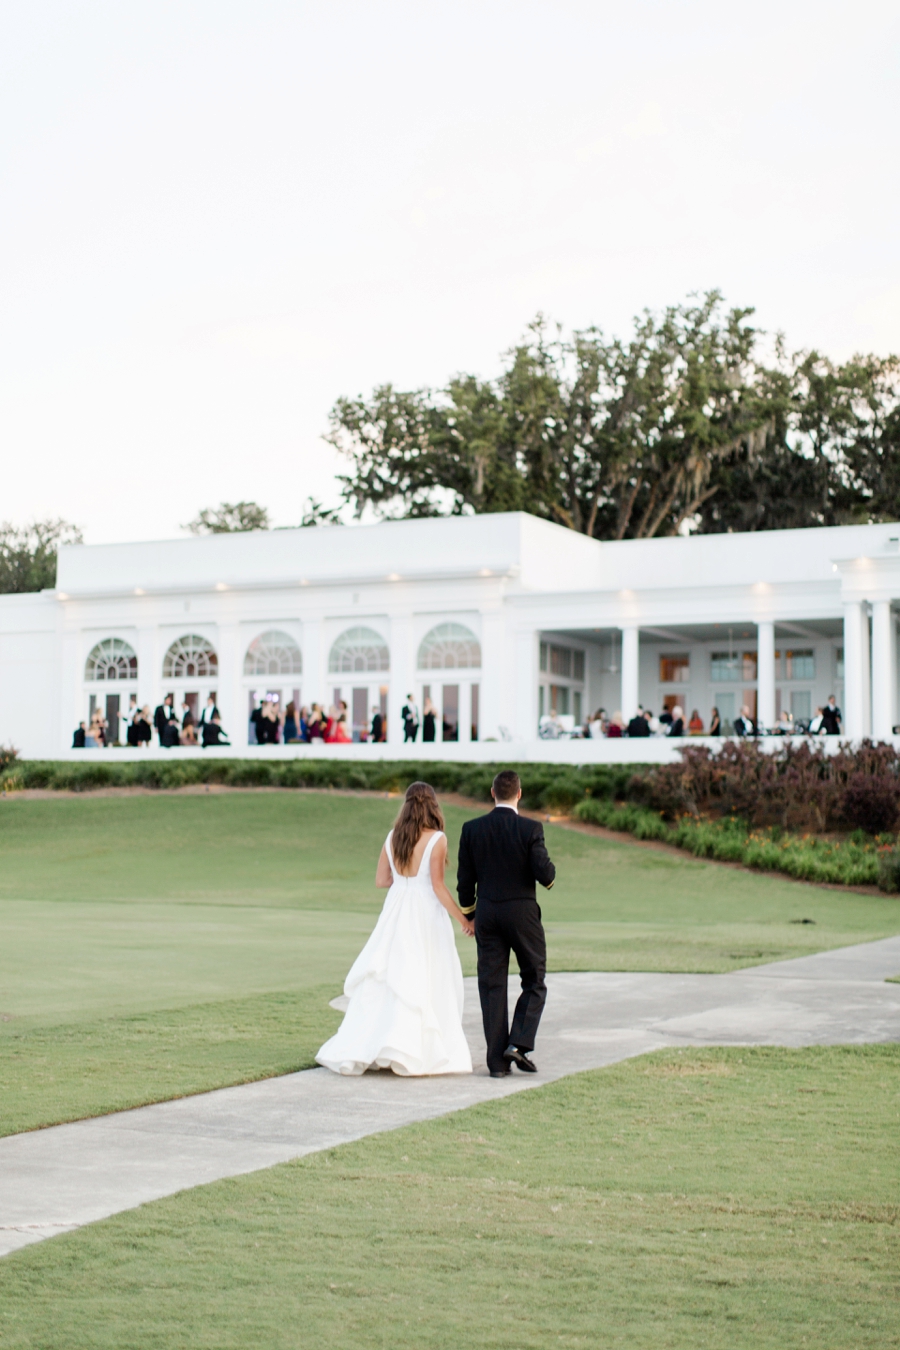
column 208, row 714
column 501, row 856
column 162, row 717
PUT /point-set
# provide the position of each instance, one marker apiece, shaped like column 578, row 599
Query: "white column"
column 315, row 660
column 403, row 672
column 525, row 727
column 495, row 675
column 149, row 671
column 765, row 675
column 883, row 678
column 229, row 694
column 853, row 709
column 866, row 672
column 73, row 704
column 630, row 668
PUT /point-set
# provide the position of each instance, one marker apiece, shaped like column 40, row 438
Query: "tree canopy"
column 698, row 422
column 239, row 517
column 28, row 555
column 230, row 518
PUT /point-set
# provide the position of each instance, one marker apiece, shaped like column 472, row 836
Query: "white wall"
column 29, row 685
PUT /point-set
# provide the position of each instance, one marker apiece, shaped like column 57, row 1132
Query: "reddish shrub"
column 871, row 802
column 803, row 787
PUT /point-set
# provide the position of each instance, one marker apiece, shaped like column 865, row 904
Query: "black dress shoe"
column 514, row 1055
column 501, row 1073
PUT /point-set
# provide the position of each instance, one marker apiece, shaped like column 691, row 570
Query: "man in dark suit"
column 639, row 725
column 501, row 856
column 831, row 717
column 165, row 723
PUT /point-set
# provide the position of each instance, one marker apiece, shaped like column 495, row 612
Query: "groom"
column 501, row 856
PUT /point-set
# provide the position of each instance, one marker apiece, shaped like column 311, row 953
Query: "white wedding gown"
column 405, row 988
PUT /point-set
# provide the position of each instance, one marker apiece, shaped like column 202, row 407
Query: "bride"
column 406, row 987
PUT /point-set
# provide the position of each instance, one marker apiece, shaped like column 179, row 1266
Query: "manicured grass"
column 78, row 1069
column 126, row 917
column 718, row 1198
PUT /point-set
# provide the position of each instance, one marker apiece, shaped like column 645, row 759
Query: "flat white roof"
column 539, row 555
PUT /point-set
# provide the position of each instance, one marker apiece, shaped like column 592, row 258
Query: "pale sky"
column 218, row 217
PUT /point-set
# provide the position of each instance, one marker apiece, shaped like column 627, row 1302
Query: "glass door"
column 450, row 712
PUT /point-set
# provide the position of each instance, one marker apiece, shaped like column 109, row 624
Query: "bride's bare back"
column 384, row 877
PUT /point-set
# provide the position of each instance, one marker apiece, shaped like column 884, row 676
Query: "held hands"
column 468, row 926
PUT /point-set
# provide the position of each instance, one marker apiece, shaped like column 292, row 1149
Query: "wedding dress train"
column 405, row 988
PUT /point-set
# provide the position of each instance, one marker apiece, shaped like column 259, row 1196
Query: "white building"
column 497, row 618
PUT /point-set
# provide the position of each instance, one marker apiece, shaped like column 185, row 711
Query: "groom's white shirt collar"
column 510, row 806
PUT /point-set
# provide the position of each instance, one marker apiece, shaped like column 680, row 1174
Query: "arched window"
column 111, row 659
column 359, row 649
column 450, row 646
column 273, row 653
column 191, row 657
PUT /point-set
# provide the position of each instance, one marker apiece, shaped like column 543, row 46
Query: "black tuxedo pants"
column 511, row 925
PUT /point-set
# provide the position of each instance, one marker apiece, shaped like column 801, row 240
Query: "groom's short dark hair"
column 506, row 786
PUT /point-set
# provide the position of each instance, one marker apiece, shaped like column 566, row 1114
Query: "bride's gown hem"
column 405, row 989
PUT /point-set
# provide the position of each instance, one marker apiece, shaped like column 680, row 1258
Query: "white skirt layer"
column 405, row 992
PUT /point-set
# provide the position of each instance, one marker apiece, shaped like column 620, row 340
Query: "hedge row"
column 554, row 787
column 855, row 861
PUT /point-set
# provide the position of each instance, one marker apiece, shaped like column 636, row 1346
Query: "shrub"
column 562, row 793
column 889, row 871
column 870, row 801
column 8, row 756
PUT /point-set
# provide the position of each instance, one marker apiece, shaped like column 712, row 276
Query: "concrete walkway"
column 57, row 1179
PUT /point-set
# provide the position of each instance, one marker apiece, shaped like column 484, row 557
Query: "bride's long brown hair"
column 419, row 812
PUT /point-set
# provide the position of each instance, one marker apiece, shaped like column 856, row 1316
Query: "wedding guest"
column 329, row 733
column 342, row 733
column 290, row 731
column 815, row 726
column 656, row 728
column 715, row 723
column 100, row 727
column 188, row 726
column 303, row 726
column 268, row 726
column 639, row 724
column 429, row 720
column 665, row 720
column 785, row 724
column 695, row 725
column 166, row 723
column 410, row 716
column 744, row 725
column 79, row 740
column 144, row 726
column 130, row 717
column 617, row 725
column 378, row 725
column 676, row 726
column 213, row 733
column 209, row 712
column 831, row 717
column 255, row 739
column 316, row 724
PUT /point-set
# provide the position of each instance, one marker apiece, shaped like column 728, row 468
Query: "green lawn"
column 719, row 1198
column 162, row 944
